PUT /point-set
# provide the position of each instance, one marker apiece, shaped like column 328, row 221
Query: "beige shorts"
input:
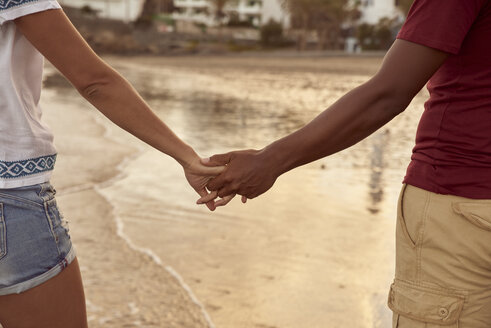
column 443, row 261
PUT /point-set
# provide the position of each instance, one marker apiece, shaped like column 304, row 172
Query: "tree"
column 152, row 8
column 379, row 36
column 404, row 5
column 324, row 17
column 218, row 9
column 272, row 34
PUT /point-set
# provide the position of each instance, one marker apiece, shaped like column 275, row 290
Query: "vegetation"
column 379, row 36
column 272, row 34
column 325, row 18
column 88, row 10
column 152, row 8
column 234, row 21
column 404, row 5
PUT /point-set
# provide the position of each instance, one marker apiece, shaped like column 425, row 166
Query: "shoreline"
column 125, row 285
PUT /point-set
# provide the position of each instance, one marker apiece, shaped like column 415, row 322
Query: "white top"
column 27, row 153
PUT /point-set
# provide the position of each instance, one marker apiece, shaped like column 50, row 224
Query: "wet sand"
column 315, row 251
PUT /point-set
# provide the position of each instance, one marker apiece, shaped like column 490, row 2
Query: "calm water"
column 317, row 249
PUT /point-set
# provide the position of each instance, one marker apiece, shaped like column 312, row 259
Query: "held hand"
column 248, row 173
column 198, row 176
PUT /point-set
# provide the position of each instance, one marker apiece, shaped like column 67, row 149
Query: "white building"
column 257, row 12
column 273, row 9
column 196, row 11
column 127, row 10
column 247, row 10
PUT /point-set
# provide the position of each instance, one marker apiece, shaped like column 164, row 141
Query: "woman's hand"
column 198, row 176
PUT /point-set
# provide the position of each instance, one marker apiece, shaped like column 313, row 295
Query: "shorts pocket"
column 416, row 306
column 478, row 214
column 3, row 234
column 411, row 214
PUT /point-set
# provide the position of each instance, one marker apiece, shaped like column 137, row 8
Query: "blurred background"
column 317, row 250
column 221, row 26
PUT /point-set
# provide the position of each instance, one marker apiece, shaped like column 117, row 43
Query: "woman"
column 443, row 237
column 40, row 283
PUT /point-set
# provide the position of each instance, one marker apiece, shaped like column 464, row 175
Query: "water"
column 318, row 249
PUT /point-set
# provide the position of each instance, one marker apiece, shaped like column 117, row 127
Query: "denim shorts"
column 34, row 241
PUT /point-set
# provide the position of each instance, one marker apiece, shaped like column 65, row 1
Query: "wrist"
column 189, row 158
column 275, row 159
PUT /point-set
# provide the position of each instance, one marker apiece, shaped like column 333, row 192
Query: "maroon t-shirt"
column 453, row 142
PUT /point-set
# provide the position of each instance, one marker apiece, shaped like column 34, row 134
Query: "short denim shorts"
column 34, row 241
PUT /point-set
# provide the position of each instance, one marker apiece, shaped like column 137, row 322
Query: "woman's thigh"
column 56, row 303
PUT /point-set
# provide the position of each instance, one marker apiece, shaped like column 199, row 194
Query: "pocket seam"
column 21, row 200
column 3, row 234
column 51, row 227
column 419, row 237
column 402, row 220
column 465, row 209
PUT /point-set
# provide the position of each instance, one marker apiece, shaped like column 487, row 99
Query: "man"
column 443, row 246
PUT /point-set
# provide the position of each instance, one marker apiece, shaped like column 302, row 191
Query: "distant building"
column 127, row 10
column 273, row 9
column 255, row 12
column 196, row 11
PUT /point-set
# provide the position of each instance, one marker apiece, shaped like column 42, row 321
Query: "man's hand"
column 198, row 177
column 248, row 173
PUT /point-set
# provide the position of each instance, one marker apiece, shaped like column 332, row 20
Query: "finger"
column 211, row 170
column 217, row 160
column 226, row 190
column 224, row 201
column 244, row 199
column 216, row 183
column 207, row 198
column 210, row 204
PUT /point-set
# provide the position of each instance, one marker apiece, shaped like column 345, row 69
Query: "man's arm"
column 405, row 70
column 56, row 38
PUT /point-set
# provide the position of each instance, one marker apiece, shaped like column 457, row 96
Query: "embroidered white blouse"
column 27, row 153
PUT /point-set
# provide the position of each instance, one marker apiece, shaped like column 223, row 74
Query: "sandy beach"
column 314, row 252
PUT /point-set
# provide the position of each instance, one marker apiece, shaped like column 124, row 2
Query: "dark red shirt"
column 453, row 142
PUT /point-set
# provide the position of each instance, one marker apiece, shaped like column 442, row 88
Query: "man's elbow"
column 396, row 104
column 392, row 98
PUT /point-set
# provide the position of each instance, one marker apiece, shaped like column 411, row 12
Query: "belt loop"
column 41, row 190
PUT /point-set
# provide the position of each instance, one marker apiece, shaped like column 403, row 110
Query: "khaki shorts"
column 443, row 261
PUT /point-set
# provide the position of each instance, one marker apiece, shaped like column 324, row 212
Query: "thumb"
column 217, row 160
column 211, row 170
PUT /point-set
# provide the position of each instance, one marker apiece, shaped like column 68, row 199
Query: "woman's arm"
column 52, row 33
column 405, row 70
